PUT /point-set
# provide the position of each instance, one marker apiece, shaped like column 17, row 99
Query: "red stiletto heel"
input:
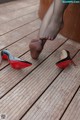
column 15, row 63
column 65, row 60
column 4, row 57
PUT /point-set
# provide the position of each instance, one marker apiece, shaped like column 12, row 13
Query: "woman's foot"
column 36, row 46
column 53, row 29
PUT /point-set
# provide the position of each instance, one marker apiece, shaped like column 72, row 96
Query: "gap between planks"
column 56, row 98
column 12, row 16
column 19, row 33
column 73, row 111
column 49, row 49
column 17, row 23
column 17, row 96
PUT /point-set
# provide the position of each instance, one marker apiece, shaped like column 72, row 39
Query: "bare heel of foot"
column 36, row 46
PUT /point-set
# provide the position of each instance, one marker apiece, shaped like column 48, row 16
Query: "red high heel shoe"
column 65, row 60
column 15, row 63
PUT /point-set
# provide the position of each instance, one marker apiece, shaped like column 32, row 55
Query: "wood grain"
column 19, row 33
column 7, row 81
column 19, row 99
column 54, row 101
column 18, row 22
column 16, row 14
column 42, row 91
column 73, row 112
column 11, row 7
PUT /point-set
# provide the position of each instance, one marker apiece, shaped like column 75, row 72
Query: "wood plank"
column 73, row 112
column 15, row 14
column 20, row 47
column 12, row 3
column 19, row 5
column 23, row 46
column 19, row 99
column 6, row 3
column 53, row 102
column 7, row 82
column 9, row 26
column 19, row 33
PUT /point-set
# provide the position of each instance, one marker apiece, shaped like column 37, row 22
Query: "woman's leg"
column 46, row 20
column 56, row 22
column 50, row 27
column 37, row 45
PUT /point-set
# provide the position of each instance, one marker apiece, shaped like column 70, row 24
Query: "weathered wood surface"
column 41, row 92
column 73, row 112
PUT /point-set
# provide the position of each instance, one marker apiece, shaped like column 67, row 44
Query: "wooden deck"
column 42, row 91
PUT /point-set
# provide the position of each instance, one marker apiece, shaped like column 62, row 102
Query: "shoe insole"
column 63, row 54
